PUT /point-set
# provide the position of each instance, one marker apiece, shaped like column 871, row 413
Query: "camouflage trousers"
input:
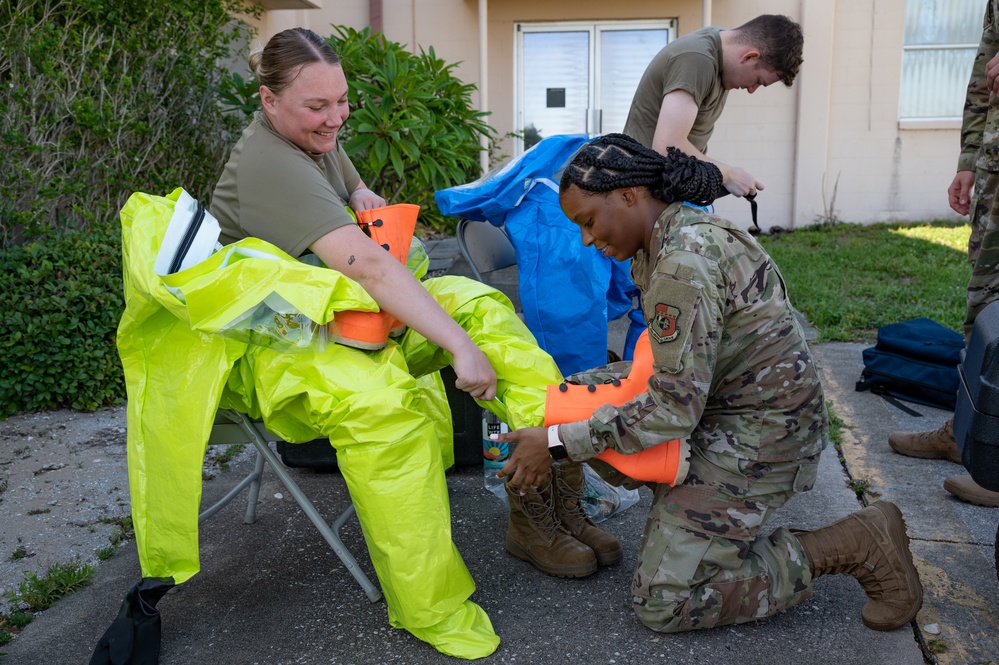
column 983, row 247
column 702, row 562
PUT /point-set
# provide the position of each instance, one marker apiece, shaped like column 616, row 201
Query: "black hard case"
column 466, row 417
column 976, row 416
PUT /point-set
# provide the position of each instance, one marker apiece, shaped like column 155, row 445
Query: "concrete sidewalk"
column 953, row 542
column 274, row 593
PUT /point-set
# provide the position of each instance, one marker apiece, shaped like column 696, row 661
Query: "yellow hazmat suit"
column 376, row 407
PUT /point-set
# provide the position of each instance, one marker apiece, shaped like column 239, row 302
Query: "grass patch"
column 859, row 487
column 40, row 593
column 124, row 532
column 105, row 553
column 836, row 425
column 849, row 279
column 222, row 455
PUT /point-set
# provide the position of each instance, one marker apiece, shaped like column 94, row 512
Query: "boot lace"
column 540, row 512
column 571, row 501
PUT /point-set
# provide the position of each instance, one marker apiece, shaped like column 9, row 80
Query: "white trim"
column 484, row 78
column 929, row 123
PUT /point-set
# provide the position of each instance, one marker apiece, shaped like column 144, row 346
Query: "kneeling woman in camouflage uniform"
column 734, row 377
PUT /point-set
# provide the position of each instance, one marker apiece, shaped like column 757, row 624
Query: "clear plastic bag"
column 601, row 499
column 270, row 324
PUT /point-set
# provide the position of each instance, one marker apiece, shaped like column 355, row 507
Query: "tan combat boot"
column 569, row 482
column 966, row 489
column 535, row 534
column 872, row 546
column 938, row 444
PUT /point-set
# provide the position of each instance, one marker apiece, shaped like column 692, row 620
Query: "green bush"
column 412, row 128
column 62, row 300
column 102, row 98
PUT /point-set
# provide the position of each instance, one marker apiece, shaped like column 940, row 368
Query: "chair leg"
column 253, row 481
column 254, row 493
column 332, row 537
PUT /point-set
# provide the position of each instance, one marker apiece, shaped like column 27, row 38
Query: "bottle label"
column 494, row 453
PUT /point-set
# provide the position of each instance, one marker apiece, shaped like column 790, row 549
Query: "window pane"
column 934, row 82
column 556, row 82
column 943, row 21
column 624, row 54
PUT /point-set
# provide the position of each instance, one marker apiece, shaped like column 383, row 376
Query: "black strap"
column 189, row 235
column 863, row 386
column 753, row 209
column 888, row 397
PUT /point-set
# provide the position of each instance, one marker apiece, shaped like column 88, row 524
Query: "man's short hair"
column 779, row 41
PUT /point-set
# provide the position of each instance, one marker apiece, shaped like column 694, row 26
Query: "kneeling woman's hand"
column 530, row 461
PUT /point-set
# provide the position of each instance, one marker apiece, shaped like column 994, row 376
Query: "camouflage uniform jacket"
column 732, row 369
column 980, row 129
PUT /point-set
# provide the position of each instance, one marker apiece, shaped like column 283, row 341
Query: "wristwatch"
column 555, row 446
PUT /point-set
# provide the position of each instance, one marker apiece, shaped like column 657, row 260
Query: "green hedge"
column 62, row 302
column 413, row 128
column 102, row 98
column 106, row 97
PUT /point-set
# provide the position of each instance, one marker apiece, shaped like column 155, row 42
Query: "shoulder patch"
column 671, row 307
column 662, row 327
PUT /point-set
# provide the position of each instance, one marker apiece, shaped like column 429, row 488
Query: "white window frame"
column 593, row 28
column 941, row 122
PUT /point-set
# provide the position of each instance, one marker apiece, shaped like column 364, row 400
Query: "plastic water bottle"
column 494, row 453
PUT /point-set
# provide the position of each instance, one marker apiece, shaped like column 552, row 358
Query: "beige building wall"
column 829, row 147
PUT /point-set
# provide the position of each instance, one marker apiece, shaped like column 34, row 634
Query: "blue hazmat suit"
column 568, row 292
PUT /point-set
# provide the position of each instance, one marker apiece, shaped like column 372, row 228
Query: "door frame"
column 595, row 84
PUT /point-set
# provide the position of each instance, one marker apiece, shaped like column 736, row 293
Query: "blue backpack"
column 915, row 361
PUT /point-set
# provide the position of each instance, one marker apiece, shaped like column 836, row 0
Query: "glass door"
column 575, row 78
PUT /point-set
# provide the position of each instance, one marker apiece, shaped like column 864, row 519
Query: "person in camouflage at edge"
column 978, row 173
column 734, row 377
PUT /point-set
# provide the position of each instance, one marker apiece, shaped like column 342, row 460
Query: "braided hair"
column 613, row 161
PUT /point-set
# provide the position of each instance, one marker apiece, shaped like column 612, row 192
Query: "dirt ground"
column 63, row 491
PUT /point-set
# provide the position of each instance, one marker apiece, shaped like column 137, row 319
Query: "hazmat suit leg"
column 368, row 404
column 523, row 370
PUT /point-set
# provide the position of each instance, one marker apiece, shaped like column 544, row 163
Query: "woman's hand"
column 396, row 291
column 992, row 74
column 476, row 375
column 739, row 182
column 529, row 463
column 959, row 192
column 363, row 198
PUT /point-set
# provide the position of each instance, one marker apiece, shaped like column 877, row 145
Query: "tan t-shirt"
column 691, row 63
column 273, row 190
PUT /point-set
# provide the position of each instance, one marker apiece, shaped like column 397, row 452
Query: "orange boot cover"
column 392, row 227
column 567, row 403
